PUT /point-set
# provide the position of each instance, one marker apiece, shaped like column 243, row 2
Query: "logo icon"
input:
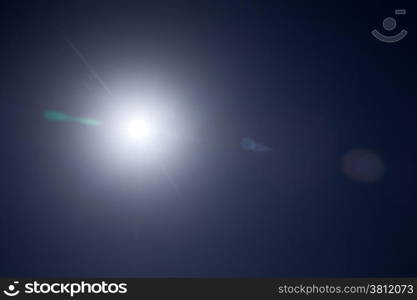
column 390, row 24
column 11, row 290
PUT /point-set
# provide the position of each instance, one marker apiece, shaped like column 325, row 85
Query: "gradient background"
column 305, row 78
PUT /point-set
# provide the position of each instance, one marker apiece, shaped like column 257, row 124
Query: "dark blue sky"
column 304, row 78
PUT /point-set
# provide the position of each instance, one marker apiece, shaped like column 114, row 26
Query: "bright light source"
column 138, row 130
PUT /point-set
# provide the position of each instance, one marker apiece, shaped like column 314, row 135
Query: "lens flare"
column 363, row 165
column 138, row 130
column 56, row 116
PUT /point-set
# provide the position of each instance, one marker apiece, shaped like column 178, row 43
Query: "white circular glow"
column 146, row 129
column 138, row 129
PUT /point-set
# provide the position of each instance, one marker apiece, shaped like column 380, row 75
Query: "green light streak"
column 57, row 116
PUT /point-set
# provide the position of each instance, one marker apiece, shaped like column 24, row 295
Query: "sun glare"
column 139, row 130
